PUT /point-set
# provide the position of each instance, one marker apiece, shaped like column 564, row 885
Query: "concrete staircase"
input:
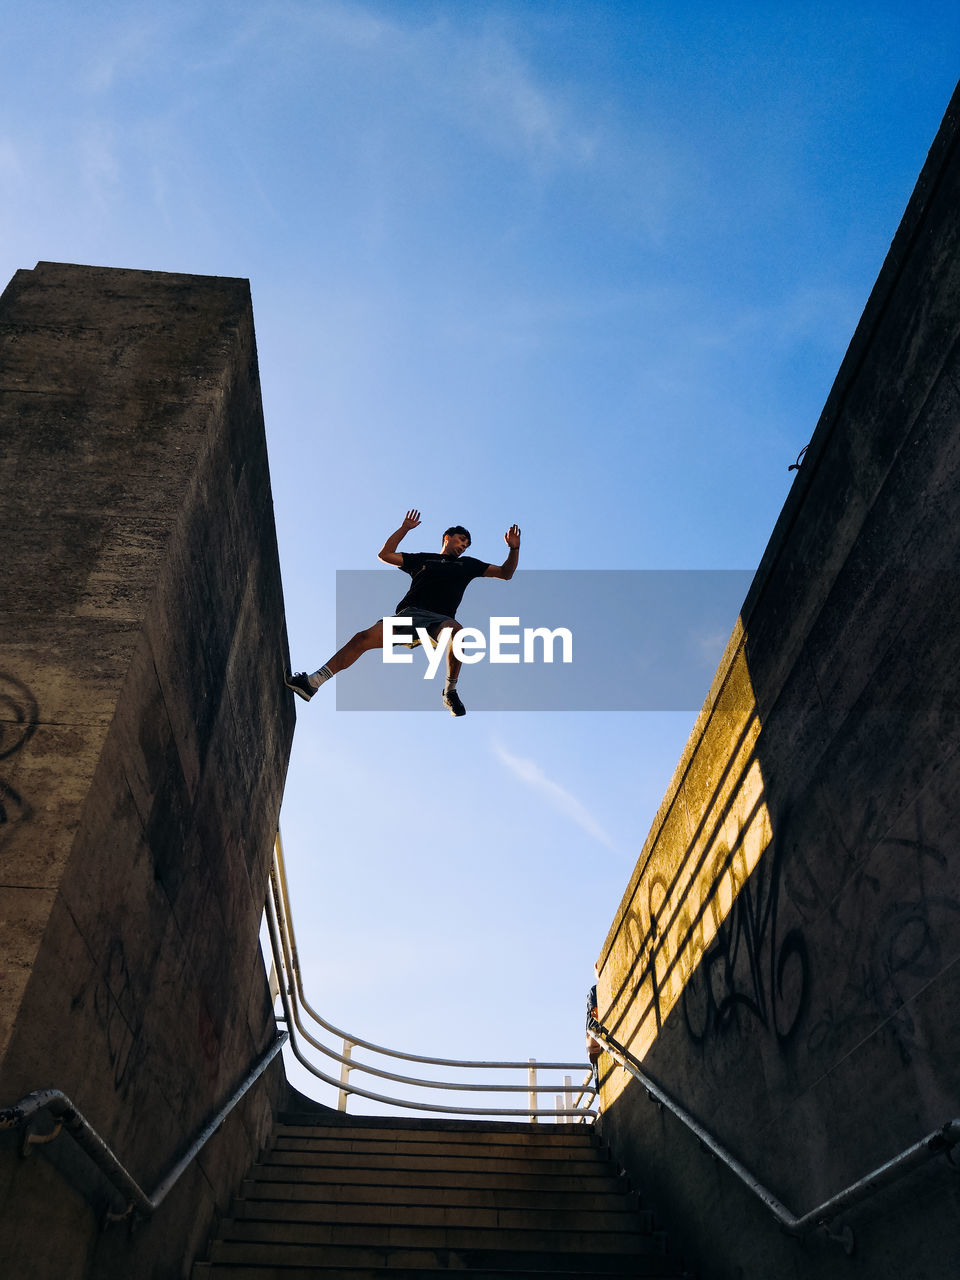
column 412, row 1197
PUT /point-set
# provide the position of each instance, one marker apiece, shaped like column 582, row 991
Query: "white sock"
column 320, row 677
column 451, row 684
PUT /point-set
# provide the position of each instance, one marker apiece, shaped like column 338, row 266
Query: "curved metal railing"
column 69, row 1118
column 573, row 1102
column 940, row 1142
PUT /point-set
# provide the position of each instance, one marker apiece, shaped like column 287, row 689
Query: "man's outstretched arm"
column 507, row 569
column 388, row 553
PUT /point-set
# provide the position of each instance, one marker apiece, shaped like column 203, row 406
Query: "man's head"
column 456, row 539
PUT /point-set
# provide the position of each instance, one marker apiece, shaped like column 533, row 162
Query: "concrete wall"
column 144, row 736
column 786, row 959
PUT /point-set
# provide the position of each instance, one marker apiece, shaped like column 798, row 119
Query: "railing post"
column 274, row 983
column 567, row 1098
column 532, row 1086
column 348, row 1047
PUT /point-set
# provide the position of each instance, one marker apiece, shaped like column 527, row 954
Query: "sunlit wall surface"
column 711, row 835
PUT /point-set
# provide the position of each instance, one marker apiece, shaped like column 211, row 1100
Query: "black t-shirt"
column 439, row 581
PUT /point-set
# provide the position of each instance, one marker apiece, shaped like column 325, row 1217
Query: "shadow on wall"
column 754, row 920
column 18, row 720
column 703, row 929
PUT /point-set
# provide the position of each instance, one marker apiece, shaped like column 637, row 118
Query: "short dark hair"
column 458, row 528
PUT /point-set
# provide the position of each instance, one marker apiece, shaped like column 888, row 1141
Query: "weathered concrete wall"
column 144, row 735
column 786, row 959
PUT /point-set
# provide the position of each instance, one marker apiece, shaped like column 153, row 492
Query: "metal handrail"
column 87, row 1138
column 290, row 983
column 938, row 1142
column 287, row 928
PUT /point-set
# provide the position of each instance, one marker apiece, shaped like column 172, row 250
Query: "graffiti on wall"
column 209, row 1033
column 18, row 721
column 753, row 969
column 706, row 933
column 900, row 919
column 125, row 1047
column 754, row 909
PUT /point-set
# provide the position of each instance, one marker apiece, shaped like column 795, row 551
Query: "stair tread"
column 421, row 1257
column 557, row 1136
column 639, row 1269
column 332, row 1199
column 533, row 1149
column 457, row 1163
column 321, row 1174
column 625, row 1218
column 489, row 1197
column 338, row 1120
column 432, row 1236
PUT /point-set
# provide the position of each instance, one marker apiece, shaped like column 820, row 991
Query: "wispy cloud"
column 506, row 100
column 472, row 75
column 10, row 165
column 813, row 313
column 122, row 50
column 99, row 162
column 529, row 772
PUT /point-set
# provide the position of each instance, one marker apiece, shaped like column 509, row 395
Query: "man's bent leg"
column 451, row 698
column 307, row 685
column 372, row 638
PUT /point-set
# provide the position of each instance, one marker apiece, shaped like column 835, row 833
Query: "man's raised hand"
column 512, row 537
column 388, row 553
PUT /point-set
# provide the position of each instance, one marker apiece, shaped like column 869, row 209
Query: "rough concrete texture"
column 786, row 959
column 144, row 736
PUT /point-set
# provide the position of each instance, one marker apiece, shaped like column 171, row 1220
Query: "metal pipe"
column 212, row 1126
column 86, row 1137
column 630, row 1064
column 350, row 1064
column 586, row 1087
column 292, row 1021
column 939, row 1142
column 344, row 1075
column 290, row 950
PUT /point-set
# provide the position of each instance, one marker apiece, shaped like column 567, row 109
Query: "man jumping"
column 439, row 579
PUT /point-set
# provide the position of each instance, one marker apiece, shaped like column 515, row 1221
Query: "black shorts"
column 424, row 618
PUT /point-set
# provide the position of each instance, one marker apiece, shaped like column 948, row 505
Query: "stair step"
column 625, row 1218
column 490, row 1197
column 531, row 1150
column 555, row 1136
column 637, row 1269
column 288, row 1173
column 253, row 1253
column 587, row 1165
column 401, row 1236
column 340, row 1120
column 353, row 1201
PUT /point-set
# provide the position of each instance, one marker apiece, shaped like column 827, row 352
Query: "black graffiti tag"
column 18, row 720
column 748, row 967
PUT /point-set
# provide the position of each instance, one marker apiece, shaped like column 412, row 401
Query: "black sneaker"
column 451, row 700
column 299, row 682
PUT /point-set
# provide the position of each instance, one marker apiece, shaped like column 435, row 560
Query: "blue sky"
column 589, row 267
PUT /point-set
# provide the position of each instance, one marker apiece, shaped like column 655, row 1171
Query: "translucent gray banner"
column 637, row 640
